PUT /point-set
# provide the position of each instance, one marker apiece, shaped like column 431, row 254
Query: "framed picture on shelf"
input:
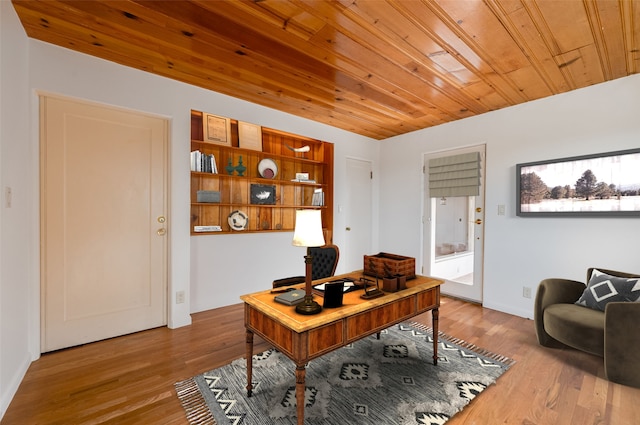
column 250, row 136
column 216, row 129
column 598, row 185
column 263, row 194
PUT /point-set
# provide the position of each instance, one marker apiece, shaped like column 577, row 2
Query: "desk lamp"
column 308, row 233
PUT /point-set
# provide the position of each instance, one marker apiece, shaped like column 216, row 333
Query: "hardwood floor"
column 129, row 380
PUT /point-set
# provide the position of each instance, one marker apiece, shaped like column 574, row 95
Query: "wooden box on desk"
column 385, row 264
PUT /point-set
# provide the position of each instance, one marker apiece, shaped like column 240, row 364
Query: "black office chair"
column 325, row 261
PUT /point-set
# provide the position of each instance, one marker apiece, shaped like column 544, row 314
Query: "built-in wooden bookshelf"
column 234, row 191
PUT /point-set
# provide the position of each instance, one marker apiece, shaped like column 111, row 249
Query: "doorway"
column 104, row 226
column 454, row 222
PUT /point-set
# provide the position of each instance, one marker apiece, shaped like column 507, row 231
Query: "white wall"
column 213, row 270
column 522, row 251
column 16, row 231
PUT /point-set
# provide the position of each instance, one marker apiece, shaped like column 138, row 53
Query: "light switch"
column 500, row 209
column 7, row 197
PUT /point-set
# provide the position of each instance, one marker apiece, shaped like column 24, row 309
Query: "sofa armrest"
column 553, row 291
column 622, row 343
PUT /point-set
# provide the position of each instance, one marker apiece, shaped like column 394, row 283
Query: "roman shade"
column 456, row 175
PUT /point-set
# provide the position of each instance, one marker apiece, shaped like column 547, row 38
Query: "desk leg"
column 249, row 355
column 435, row 313
column 300, row 389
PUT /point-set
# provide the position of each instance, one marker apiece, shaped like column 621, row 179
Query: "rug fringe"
column 194, row 404
column 466, row 345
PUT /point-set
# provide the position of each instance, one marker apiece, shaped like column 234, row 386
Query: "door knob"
column 161, row 219
column 161, row 232
column 478, row 221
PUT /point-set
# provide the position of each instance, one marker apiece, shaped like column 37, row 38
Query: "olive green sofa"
column 613, row 334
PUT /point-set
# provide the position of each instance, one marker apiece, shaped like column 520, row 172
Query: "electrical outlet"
column 180, row 297
column 526, row 292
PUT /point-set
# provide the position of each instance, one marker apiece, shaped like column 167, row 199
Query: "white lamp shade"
column 308, row 231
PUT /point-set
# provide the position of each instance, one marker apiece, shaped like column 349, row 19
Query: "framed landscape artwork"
column 600, row 185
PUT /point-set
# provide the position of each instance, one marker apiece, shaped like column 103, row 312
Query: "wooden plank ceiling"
column 373, row 67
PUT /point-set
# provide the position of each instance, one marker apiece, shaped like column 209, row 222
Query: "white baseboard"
column 505, row 308
column 10, row 390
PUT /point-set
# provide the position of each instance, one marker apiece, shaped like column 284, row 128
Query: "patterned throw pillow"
column 604, row 288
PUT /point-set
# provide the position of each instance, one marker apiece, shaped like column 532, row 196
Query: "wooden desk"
column 303, row 338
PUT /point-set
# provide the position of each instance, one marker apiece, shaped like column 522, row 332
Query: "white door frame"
column 161, row 207
column 464, row 291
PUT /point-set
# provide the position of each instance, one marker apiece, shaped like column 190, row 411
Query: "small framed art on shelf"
column 250, row 136
column 263, row 194
column 216, row 129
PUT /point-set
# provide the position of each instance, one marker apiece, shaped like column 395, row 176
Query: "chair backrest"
column 325, row 261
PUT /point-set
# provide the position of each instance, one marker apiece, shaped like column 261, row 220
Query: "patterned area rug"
column 387, row 381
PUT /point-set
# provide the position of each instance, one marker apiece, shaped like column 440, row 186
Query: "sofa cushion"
column 604, row 288
column 576, row 326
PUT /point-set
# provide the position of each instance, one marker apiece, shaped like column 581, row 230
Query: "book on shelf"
column 211, row 159
column 303, row 180
column 317, row 200
column 207, row 229
column 203, row 163
column 194, row 160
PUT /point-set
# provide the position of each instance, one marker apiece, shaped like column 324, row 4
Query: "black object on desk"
column 333, row 292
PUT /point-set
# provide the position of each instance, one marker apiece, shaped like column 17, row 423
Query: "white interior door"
column 104, row 243
column 358, row 214
column 454, row 235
